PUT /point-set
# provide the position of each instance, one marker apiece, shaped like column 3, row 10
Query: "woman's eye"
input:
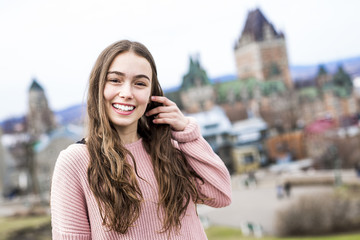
column 140, row 84
column 114, row 80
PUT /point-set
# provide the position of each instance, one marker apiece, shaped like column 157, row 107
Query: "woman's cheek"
column 144, row 97
column 108, row 93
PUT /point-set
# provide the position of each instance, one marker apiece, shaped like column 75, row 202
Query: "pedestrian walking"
column 287, row 188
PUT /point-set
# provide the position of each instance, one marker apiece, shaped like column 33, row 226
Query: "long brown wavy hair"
column 111, row 178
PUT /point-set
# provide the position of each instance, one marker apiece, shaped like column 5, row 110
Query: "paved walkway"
column 22, row 206
column 256, row 204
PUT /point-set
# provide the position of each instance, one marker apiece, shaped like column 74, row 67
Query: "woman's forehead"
column 130, row 64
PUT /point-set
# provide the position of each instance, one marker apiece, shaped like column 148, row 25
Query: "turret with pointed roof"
column 195, row 77
column 196, row 92
column 257, row 29
column 35, row 86
column 40, row 119
column 260, row 51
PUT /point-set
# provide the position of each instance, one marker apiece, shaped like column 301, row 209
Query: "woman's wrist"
column 190, row 133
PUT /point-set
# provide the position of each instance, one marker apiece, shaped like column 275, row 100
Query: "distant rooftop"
column 255, row 25
column 196, row 75
column 36, row 86
column 212, row 122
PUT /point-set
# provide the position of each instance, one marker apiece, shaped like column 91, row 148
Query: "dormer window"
column 268, row 34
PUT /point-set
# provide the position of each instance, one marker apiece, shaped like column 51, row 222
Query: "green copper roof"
column 196, row 76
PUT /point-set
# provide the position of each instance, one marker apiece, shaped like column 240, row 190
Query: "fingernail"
column 153, row 98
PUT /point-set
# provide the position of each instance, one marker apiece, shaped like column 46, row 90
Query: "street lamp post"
column 337, row 165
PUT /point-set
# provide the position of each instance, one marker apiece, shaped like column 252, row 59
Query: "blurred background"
column 274, row 86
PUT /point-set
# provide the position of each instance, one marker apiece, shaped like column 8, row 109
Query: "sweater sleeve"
column 69, row 217
column 201, row 157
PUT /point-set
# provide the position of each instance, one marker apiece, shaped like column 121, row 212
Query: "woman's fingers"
column 176, row 124
column 160, row 109
column 163, row 100
column 169, row 113
column 168, row 105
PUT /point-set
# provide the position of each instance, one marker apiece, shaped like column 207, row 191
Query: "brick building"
column 260, row 51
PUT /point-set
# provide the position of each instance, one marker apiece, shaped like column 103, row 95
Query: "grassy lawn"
column 225, row 233
column 25, row 226
column 38, row 228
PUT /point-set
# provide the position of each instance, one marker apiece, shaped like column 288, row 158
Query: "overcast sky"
column 57, row 42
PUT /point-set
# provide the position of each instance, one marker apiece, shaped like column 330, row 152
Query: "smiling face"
column 127, row 90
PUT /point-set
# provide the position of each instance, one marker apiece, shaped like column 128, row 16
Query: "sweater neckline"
column 134, row 144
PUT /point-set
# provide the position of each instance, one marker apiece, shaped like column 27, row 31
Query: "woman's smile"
column 125, row 109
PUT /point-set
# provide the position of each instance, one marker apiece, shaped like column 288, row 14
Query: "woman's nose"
column 126, row 92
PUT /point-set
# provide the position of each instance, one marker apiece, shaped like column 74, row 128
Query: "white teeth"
column 123, row 107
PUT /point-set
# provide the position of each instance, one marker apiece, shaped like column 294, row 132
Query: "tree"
column 322, row 70
column 342, row 83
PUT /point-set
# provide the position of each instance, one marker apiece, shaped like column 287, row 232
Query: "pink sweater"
column 75, row 213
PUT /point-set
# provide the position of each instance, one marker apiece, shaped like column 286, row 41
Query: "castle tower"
column 261, row 51
column 40, row 119
column 196, row 93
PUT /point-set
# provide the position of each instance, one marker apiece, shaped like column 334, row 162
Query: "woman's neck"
column 128, row 136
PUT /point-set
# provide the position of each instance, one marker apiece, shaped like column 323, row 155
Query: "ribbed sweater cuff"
column 189, row 134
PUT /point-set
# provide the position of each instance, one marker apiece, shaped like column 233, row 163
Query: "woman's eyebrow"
column 123, row 74
column 142, row 76
column 116, row 72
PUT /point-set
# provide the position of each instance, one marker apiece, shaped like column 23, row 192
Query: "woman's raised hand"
column 169, row 113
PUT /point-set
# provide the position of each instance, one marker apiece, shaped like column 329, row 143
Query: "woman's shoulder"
column 78, row 147
column 74, row 156
column 71, row 166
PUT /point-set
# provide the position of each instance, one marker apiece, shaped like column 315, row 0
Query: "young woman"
column 143, row 166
